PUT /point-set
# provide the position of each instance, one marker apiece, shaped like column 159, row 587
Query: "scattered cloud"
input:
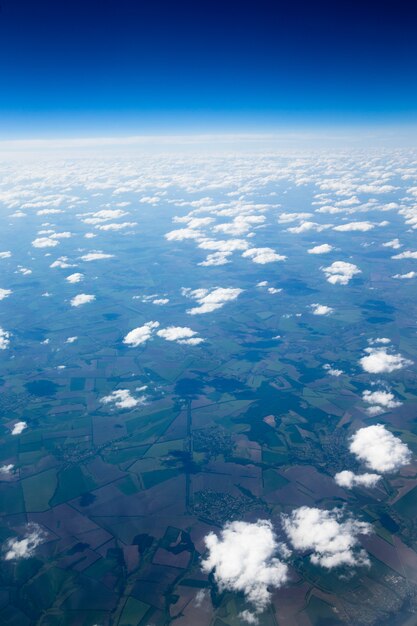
column 321, row 309
column 348, row 479
column 4, row 339
column 362, row 227
column 244, row 559
column 379, row 449
column 263, row 255
column 324, row 248
column 340, row 272
column 122, row 399
column 331, row 535
column 394, row 244
column 82, row 298
column 25, row 547
column 210, row 300
column 380, row 401
column 45, row 242
column 379, row 361
column 18, row 428
column 180, row 334
column 5, row 293
column 140, row 335
column 75, row 278
column 407, row 254
column 406, row 276
column 96, row 255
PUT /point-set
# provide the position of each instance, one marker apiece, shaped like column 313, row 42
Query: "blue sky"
column 118, row 67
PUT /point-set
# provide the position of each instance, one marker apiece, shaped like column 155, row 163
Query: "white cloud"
column 45, row 242
column 71, row 339
column 244, row 559
column 5, row 293
column 64, row 235
column 210, row 300
column 379, row 401
column 103, row 215
column 25, row 547
column 7, row 469
column 116, row 226
column 406, row 276
column 379, row 361
column 139, row 335
column 97, row 255
column 325, row 248
column 160, row 301
column 222, row 245
column 331, row 535
column 340, row 272
column 285, row 218
column 305, row 227
column 321, row 309
column 5, row 255
column 122, row 399
column 379, row 449
column 82, row 298
column 61, row 262
column 363, row 227
column 183, row 233
column 407, row 254
column 180, row 334
column 23, row 270
column 240, row 225
column 394, row 244
column 4, row 339
column 48, row 211
column 348, row 479
column 18, row 428
column 332, row 371
column 263, row 255
column 216, row 259
column 75, row 278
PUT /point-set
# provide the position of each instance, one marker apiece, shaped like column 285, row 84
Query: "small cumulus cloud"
column 82, row 298
column 123, row 399
column 180, row 334
column 210, row 300
column 362, row 227
column 379, row 361
column 380, row 401
column 75, row 278
column 5, row 293
column 348, row 479
column 324, row 248
column 244, row 559
column 18, row 428
column 340, row 272
column 45, row 242
column 263, row 255
column 140, row 335
column 24, row 547
column 4, row 339
column 407, row 254
column 379, row 449
column 96, row 255
column 331, row 535
column 321, row 309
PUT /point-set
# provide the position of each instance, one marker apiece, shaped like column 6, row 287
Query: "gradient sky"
column 123, row 66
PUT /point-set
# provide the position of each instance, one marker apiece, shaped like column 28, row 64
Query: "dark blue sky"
column 124, row 66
